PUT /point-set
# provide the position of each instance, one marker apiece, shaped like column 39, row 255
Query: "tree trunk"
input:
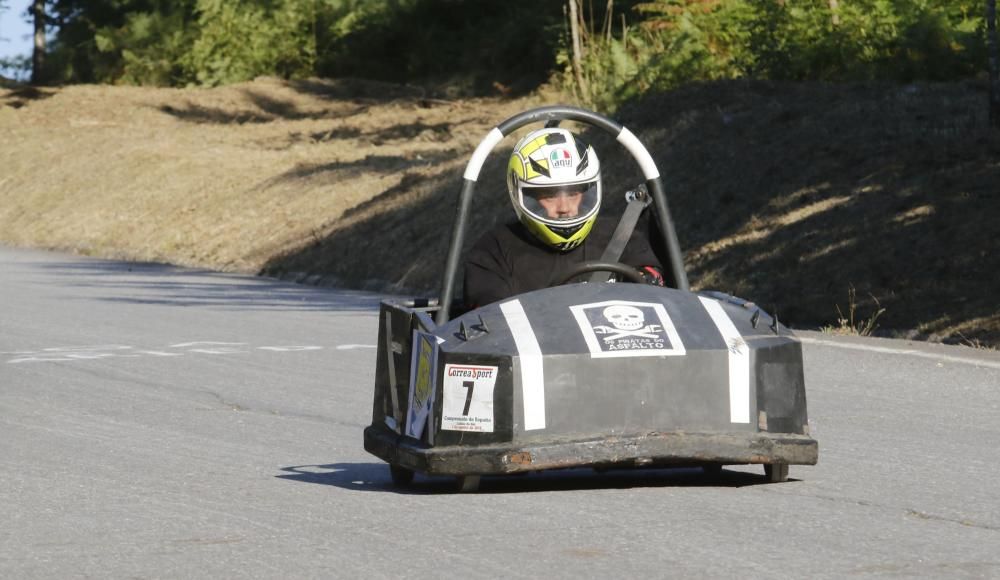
column 834, row 16
column 994, row 52
column 38, row 55
column 574, row 30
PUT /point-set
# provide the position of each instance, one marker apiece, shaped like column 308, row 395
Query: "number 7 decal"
column 468, row 397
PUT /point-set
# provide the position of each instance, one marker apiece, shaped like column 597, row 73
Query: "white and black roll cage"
column 552, row 115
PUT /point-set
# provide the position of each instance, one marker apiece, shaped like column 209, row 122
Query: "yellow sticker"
column 422, row 388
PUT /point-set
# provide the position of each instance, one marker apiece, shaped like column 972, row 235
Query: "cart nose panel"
column 595, row 358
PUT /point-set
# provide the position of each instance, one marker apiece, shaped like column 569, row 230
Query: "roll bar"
column 556, row 113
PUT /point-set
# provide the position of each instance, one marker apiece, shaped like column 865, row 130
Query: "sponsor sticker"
column 422, row 374
column 560, row 158
column 617, row 328
column 468, row 398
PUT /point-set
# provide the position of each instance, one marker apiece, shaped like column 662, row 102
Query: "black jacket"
column 508, row 260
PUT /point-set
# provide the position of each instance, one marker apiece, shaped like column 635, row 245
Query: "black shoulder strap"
column 638, row 200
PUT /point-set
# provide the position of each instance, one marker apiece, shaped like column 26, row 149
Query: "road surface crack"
column 967, row 523
column 239, row 407
column 908, row 511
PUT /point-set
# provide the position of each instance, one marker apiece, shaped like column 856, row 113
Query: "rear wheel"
column 401, row 476
column 776, row 472
column 467, row 483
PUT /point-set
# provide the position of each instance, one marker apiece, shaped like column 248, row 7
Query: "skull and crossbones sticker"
column 617, row 328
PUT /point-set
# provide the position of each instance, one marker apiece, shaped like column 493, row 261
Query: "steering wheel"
column 626, row 271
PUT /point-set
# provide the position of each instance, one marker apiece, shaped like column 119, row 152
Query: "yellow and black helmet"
column 554, row 181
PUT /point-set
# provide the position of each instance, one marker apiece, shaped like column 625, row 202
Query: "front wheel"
column 776, row 472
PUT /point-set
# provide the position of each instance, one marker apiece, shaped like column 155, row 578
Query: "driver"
column 554, row 181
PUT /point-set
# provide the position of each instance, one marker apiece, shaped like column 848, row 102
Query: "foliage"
column 481, row 46
column 470, row 43
column 672, row 42
column 118, row 40
column 152, row 47
column 853, row 323
column 16, row 67
column 241, row 39
column 677, row 41
column 895, row 39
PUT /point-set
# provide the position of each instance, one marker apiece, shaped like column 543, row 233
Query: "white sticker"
column 468, row 398
column 617, row 329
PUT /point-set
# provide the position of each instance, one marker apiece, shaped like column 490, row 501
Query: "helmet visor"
column 561, row 204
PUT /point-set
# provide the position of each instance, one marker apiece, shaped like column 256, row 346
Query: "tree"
column 38, row 54
column 112, row 41
column 994, row 60
column 577, row 50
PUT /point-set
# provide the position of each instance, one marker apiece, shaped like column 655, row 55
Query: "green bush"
column 149, row 47
column 678, row 41
column 241, row 39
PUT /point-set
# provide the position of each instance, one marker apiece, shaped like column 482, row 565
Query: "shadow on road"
column 160, row 284
column 375, row 477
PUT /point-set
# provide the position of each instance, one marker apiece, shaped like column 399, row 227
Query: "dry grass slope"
column 789, row 194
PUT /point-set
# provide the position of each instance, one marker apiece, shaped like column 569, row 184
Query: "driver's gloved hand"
column 652, row 275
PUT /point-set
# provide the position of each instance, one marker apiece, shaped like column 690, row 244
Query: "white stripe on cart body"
column 739, row 361
column 530, row 358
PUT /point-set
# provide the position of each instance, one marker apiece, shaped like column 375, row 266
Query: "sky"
column 15, row 32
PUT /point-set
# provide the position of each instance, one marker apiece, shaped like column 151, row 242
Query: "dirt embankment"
column 787, row 194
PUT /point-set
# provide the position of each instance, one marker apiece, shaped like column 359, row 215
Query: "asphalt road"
column 165, row 423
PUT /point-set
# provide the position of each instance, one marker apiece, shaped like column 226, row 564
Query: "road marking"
column 221, row 350
column 82, row 353
column 290, row 348
column 69, row 353
column 530, row 359
column 205, row 343
column 739, row 361
column 907, row 352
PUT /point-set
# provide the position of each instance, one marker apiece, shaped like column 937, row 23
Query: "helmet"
column 554, row 181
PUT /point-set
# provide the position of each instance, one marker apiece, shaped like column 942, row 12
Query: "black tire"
column 467, row 483
column 776, row 472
